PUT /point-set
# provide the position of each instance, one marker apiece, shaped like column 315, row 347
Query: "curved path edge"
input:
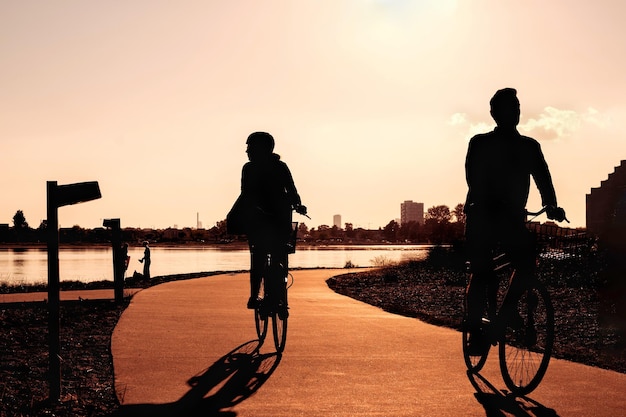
column 189, row 347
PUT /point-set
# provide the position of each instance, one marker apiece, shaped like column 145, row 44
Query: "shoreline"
column 234, row 245
column 130, row 284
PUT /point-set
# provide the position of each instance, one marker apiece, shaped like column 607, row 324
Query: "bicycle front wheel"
column 528, row 339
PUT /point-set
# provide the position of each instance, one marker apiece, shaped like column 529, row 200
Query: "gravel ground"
column 588, row 330
column 86, row 362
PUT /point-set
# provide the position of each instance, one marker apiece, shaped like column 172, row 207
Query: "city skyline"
column 369, row 101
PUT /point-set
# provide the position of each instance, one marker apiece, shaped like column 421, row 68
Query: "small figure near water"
column 146, row 260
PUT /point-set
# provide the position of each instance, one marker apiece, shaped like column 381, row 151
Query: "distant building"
column 411, row 212
column 606, row 205
column 337, row 220
column 4, row 232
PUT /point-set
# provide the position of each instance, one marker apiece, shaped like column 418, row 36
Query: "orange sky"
column 371, row 102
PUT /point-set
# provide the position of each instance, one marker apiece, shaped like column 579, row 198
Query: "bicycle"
column 522, row 326
column 271, row 303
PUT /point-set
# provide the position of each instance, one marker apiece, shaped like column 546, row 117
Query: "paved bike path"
column 189, row 348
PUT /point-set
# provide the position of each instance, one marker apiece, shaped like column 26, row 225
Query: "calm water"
column 19, row 266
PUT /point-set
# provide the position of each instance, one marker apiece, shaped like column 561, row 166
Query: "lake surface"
column 29, row 266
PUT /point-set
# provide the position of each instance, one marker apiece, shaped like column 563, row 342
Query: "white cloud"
column 552, row 123
column 473, row 128
column 593, row 116
column 457, row 119
column 558, row 123
column 480, row 127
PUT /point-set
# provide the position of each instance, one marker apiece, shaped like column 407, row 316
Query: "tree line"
column 441, row 225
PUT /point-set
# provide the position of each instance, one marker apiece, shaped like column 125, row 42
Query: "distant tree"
column 220, row 228
column 303, row 231
column 459, row 213
column 219, row 232
column 19, row 221
column 411, row 231
column 72, row 234
column 391, row 231
column 323, row 231
column 440, row 214
column 20, row 226
column 437, row 224
column 349, row 230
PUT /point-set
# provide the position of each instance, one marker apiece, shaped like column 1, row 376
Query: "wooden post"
column 54, row 298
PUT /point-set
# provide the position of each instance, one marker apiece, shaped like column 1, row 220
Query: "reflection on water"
column 95, row 263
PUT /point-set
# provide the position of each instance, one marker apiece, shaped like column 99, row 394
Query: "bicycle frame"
column 522, row 326
column 514, row 285
column 275, row 280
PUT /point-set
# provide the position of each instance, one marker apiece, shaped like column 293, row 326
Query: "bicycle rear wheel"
column 474, row 356
column 528, row 339
column 279, row 326
column 473, row 361
column 261, row 314
column 276, row 276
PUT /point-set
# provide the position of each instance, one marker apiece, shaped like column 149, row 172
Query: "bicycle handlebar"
column 536, row 213
column 302, row 210
column 543, row 210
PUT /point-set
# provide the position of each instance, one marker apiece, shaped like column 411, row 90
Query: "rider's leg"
column 284, row 258
column 492, row 295
column 479, row 295
column 523, row 256
column 257, row 260
column 481, row 266
column 479, row 243
column 277, row 278
column 476, row 299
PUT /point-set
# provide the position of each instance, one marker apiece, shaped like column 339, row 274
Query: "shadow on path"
column 500, row 403
column 233, row 378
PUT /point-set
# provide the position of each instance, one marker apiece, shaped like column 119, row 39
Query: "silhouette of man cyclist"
column 498, row 168
column 269, row 195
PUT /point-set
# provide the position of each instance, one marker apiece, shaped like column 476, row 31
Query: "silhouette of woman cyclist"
column 270, row 196
column 498, row 168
